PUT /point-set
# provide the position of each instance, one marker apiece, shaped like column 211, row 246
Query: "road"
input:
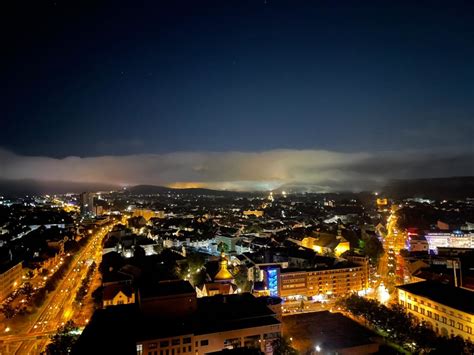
column 389, row 264
column 59, row 306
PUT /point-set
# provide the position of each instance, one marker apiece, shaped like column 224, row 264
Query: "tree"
column 241, row 279
column 282, row 346
column 63, row 341
column 223, row 247
column 372, row 247
column 97, row 296
column 8, row 311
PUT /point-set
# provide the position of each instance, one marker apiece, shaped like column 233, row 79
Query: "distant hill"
column 436, row 188
column 38, row 187
column 153, row 189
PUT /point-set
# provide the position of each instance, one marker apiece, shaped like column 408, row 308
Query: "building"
column 323, row 243
column 10, row 278
column 174, row 322
column 326, row 282
column 449, row 239
column 86, row 200
column 417, row 243
column 256, row 213
column 222, row 283
column 118, row 294
column 448, row 310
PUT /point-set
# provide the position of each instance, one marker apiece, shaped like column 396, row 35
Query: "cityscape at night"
column 242, row 177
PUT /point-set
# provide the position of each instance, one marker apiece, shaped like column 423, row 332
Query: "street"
column 59, row 306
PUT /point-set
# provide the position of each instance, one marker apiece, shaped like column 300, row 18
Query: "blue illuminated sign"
column 272, row 277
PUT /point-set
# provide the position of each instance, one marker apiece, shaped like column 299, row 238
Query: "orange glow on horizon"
column 186, row 185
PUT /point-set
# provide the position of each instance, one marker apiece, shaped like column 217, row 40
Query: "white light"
column 318, row 348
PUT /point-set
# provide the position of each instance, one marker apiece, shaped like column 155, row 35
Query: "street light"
column 318, row 348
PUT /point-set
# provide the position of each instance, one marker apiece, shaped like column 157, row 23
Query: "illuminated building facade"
column 448, row 310
column 335, row 282
column 10, row 279
column 272, row 275
column 256, row 213
column 446, row 239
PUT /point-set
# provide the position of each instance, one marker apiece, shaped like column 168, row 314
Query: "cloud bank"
column 327, row 170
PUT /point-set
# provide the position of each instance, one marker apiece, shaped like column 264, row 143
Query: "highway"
column 59, row 306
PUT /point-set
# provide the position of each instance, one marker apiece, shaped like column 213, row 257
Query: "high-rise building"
column 86, row 200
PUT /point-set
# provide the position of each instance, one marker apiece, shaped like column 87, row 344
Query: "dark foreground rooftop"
column 330, row 331
column 116, row 330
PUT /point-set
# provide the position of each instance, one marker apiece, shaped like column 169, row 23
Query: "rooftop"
column 166, row 288
column 331, row 331
column 454, row 297
column 119, row 328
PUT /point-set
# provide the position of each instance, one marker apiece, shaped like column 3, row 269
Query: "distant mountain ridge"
column 156, row 189
column 434, row 188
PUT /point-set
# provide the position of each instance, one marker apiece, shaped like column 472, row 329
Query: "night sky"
column 119, row 78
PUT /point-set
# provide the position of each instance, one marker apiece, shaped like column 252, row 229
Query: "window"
column 189, row 348
column 139, row 349
column 452, row 323
column 429, row 314
column 187, row 340
column 468, row 330
column 152, row 345
column 444, row 320
column 204, row 342
column 164, row 344
column 415, row 308
column 460, row 326
column 422, row 311
column 409, row 305
column 436, row 316
column 175, row 342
